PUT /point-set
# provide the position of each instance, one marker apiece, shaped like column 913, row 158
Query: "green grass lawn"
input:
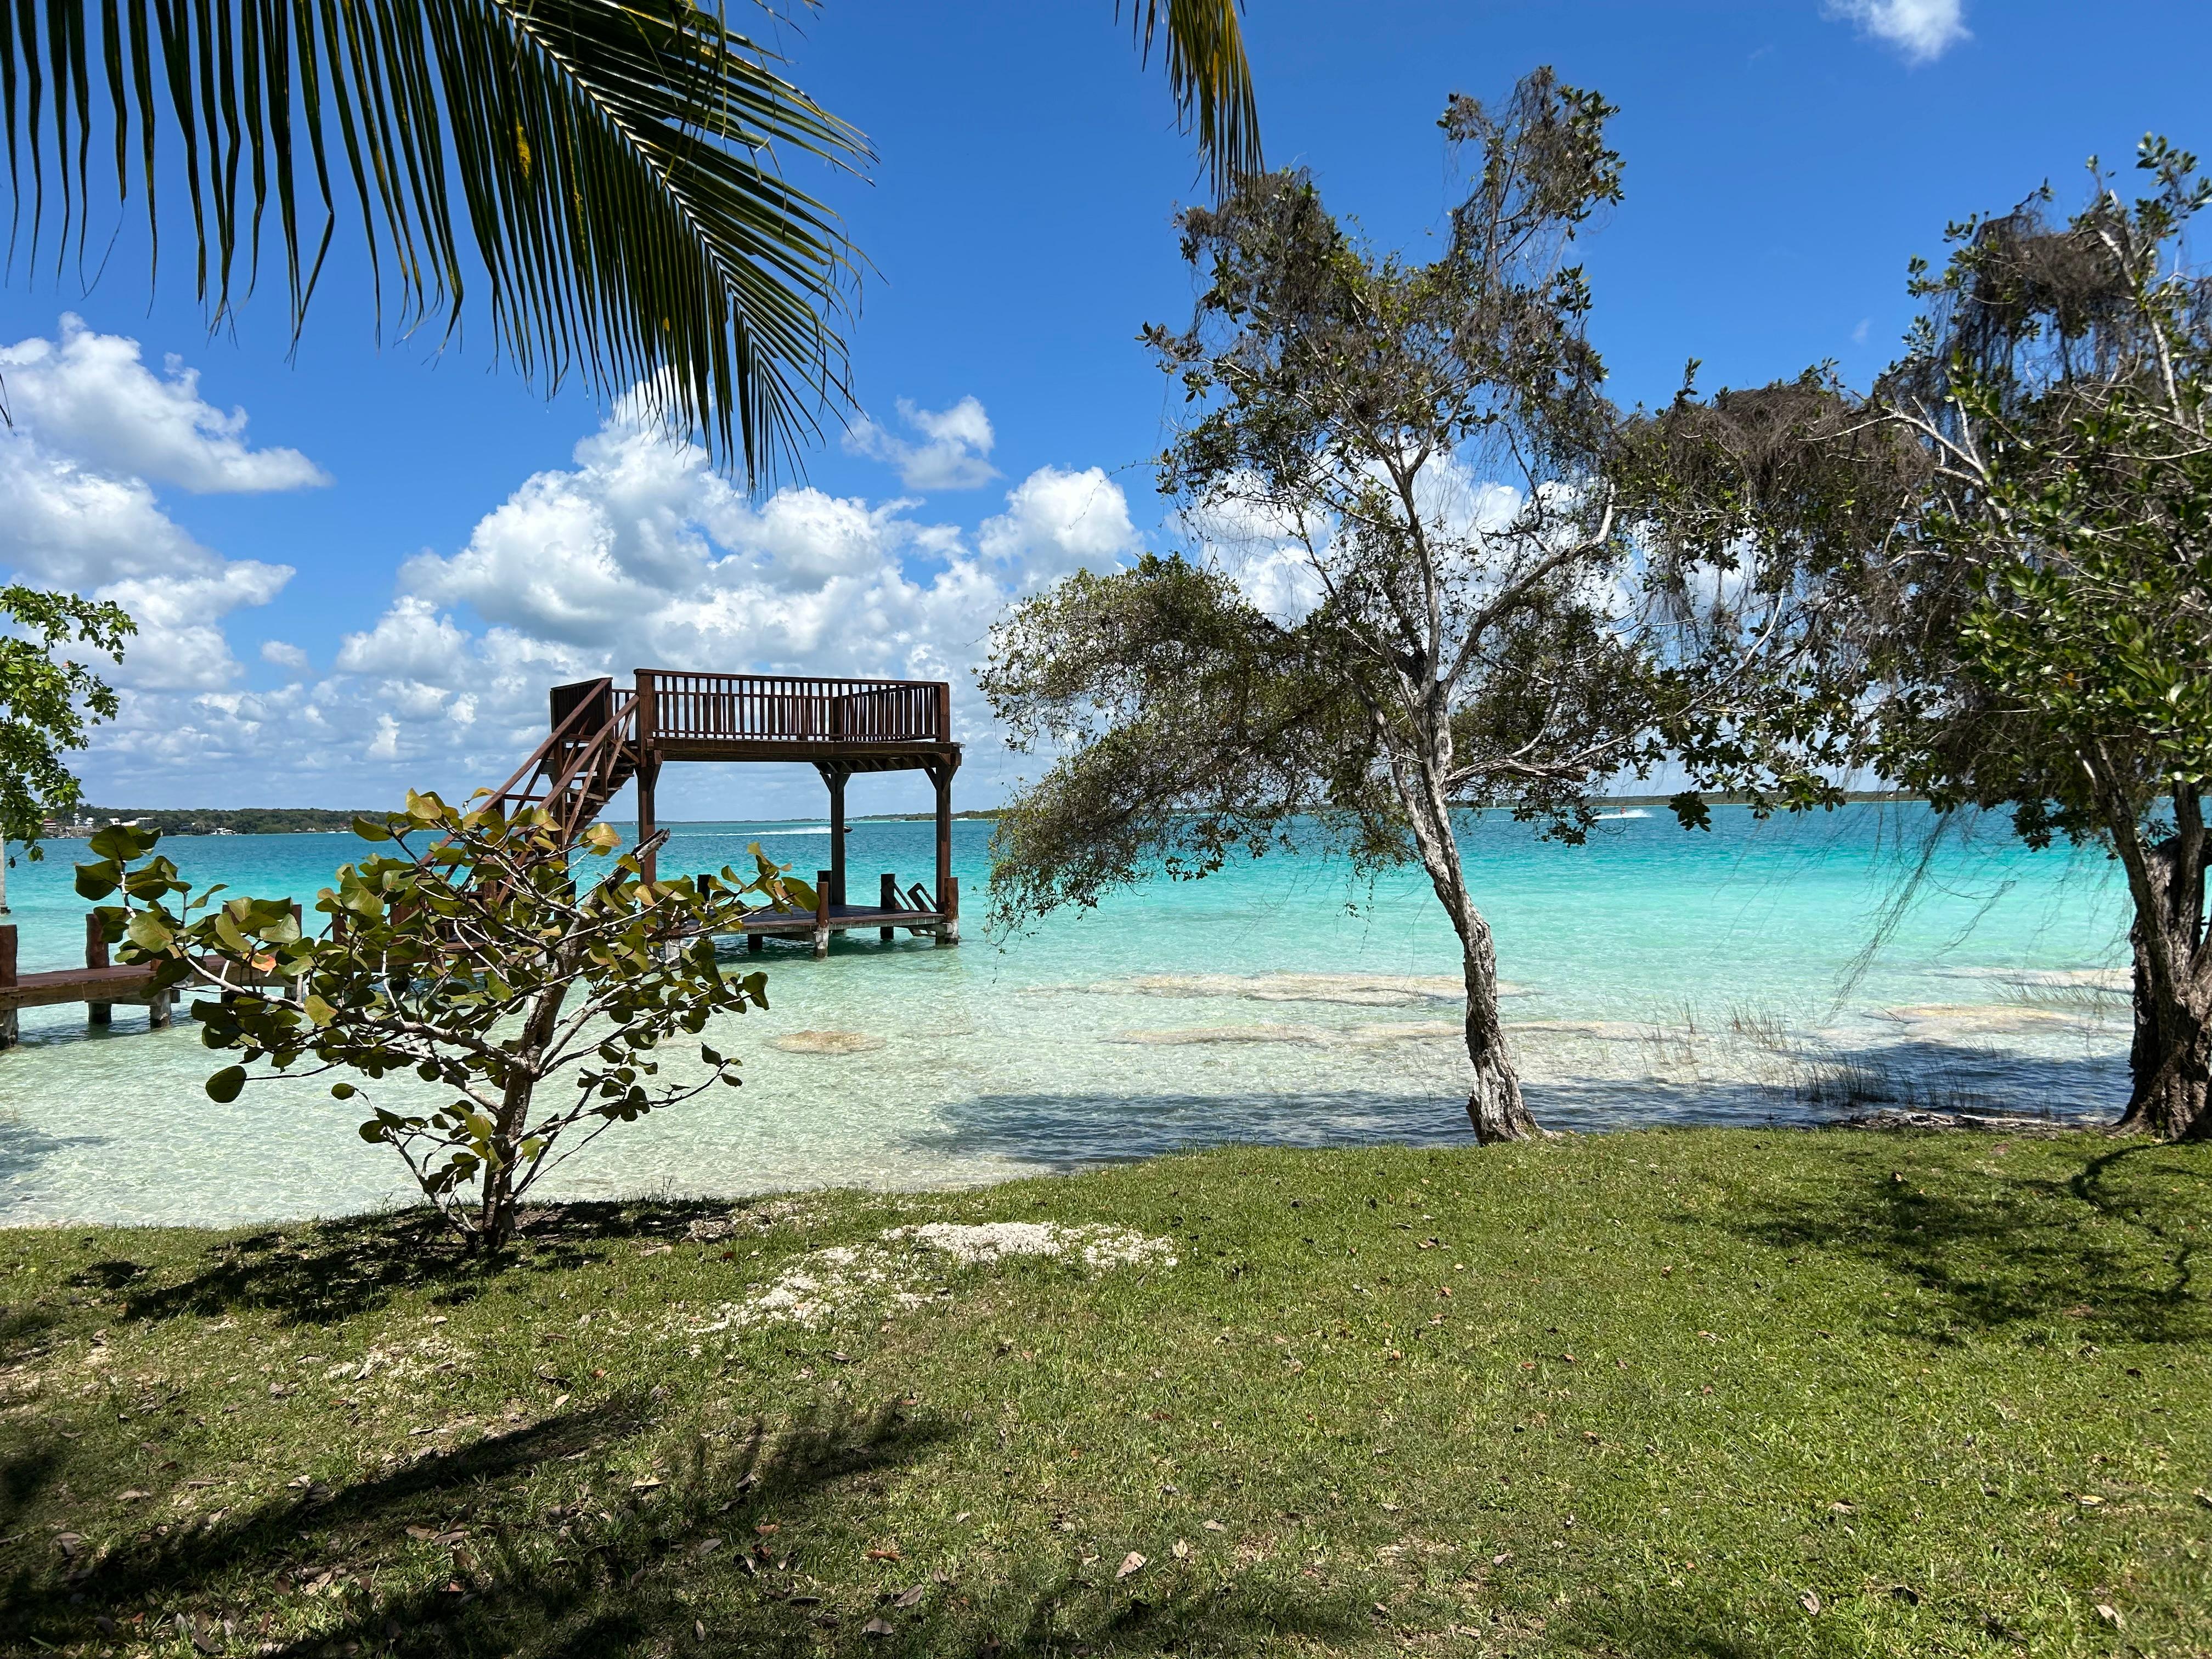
column 1711, row 1394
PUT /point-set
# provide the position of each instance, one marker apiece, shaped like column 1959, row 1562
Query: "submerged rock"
column 826, row 1042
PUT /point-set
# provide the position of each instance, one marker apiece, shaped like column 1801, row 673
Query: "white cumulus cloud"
column 93, row 431
column 636, row 553
column 1058, row 521
column 1924, row 30
column 91, row 397
column 952, row 453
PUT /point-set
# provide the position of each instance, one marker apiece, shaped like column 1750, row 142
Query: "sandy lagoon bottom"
column 1657, row 977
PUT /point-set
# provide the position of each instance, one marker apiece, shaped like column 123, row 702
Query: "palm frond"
column 1210, row 79
column 613, row 167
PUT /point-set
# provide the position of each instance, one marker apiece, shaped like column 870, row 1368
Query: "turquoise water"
column 1658, row 976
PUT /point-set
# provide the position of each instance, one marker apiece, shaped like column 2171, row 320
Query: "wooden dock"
column 99, row 985
column 914, row 910
column 603, row 738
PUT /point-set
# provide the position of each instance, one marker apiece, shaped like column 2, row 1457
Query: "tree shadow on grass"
column 2088, row 1248
column 56, row 1597
column 689, row 1564
column 325, row 1273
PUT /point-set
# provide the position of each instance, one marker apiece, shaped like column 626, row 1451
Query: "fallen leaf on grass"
column 2109, row 1614
column 890, row 1554
column 1130, row 1563
column 877, row 1628
column 910, row 1597
column 1809, row 1602
column 1180, row 1549
column 1214, row 1526
column 646, row 1485
column 132, row 1496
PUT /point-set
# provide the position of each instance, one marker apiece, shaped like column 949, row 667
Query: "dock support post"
column 95, row 956
column 821, row 914
column 650, row 865
column 835, row 775
column 161, row 1009
column 940, row 774
column 948, row 931
column 648, row 767
column 889, row 900
column 755, row 943
column 10, row 1031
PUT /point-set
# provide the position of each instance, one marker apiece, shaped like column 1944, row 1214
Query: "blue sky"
column 450, row 554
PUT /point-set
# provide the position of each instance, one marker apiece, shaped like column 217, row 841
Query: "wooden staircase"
column 591, row 753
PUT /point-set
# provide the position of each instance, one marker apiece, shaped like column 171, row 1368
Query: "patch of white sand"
column 2095, row 979
column 1356, row 990
column 903, row 1270
column 1367, row 1036
column 1990, row 1017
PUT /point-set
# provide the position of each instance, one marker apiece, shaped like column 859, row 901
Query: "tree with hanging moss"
column 1410, row 592
column 2014, row 527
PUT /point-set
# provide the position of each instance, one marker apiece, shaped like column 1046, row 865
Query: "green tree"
column 2014, row 528
column 48, row 703
column 1415, row 592
column 494, row 1011
column 613, row 172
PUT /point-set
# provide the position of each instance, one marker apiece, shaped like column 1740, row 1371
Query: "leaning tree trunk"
column 2170, row 1061
column 1494, row 1105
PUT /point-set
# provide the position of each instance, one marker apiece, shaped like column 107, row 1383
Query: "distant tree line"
column 242, row 820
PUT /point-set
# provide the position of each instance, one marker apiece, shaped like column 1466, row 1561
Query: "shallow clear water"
column 1661, row 976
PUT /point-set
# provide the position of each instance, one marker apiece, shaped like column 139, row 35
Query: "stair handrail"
column 599, row 751
column 513, row 788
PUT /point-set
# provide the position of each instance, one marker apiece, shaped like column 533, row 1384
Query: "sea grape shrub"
column 475, row 957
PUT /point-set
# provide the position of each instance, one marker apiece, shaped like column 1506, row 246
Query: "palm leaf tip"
column 1210, row 79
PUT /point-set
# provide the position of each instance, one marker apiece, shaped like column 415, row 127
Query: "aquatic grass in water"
column 1090, row 1039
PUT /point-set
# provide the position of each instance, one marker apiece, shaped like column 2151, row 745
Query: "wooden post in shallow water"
column 10, row 1030
column 948, row 931
column 95, row 956
column 888, row 901
column 821, row 914
column 948, row 902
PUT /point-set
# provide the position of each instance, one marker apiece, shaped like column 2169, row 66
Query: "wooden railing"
column 590, row 754
column 771, row 709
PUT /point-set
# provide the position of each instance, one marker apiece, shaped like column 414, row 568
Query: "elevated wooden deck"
column 604, row 737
